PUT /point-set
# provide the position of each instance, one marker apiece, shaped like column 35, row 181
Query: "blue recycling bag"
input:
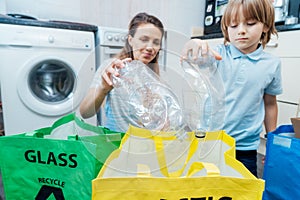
column 281, row 169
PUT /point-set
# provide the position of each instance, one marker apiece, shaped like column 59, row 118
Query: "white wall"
column 46, row 9
column 178, row 15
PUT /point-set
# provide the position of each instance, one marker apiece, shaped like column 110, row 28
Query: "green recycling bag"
column 57, row 162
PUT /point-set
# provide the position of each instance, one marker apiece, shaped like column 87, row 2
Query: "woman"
column 143, row 43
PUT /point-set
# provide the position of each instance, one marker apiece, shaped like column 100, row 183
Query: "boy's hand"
column 194, row 47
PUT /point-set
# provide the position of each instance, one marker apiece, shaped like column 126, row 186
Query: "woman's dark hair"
column 137, row 20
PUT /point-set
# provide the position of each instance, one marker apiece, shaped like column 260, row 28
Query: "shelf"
column 279, row 28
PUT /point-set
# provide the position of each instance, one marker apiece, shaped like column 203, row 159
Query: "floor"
column 260, row 167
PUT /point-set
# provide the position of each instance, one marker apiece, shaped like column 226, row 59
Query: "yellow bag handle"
column 158, row 140
column 162, row 160
column 143, row 170
column 211, row 169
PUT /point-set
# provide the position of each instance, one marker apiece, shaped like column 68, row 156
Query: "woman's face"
column 145, row 43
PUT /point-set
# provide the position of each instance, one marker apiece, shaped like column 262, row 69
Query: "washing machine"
column 45, row 71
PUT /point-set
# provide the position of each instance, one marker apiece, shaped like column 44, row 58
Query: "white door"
column 46, row 86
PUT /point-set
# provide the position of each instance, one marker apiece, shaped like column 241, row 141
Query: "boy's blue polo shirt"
column 247, row 77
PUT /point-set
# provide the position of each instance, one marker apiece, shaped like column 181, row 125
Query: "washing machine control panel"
column 82, row 41
column 27, row 36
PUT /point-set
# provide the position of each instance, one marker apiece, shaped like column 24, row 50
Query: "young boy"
column 252, row 77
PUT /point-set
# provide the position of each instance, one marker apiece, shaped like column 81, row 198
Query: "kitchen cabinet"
column 214, row 42
column 287, row 47
column 290, row 74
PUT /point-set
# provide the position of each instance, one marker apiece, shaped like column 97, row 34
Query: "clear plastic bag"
column 194, row 101
column 207, row 113
column 151, row 103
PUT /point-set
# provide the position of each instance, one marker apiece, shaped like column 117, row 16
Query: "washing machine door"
column 47, row 87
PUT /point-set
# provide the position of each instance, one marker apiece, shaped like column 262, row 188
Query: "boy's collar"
column 255, row 55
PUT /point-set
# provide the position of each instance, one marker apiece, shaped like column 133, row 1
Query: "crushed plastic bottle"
column 151, row 103
column 207, row 113
column 195, row 103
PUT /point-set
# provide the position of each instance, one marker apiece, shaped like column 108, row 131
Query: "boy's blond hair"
column 260, row 10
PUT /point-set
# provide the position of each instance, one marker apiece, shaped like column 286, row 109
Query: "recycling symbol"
column 46, row 191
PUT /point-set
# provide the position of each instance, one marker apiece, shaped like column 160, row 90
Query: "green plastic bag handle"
column 40, row 133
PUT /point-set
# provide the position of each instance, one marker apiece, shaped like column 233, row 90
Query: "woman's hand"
column 95, row 96
column 194, row 47
column 111, row 70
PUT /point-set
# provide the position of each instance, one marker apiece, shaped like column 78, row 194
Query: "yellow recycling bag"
column 160, row 165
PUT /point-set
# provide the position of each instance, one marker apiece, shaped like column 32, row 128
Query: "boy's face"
column 245, row 34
